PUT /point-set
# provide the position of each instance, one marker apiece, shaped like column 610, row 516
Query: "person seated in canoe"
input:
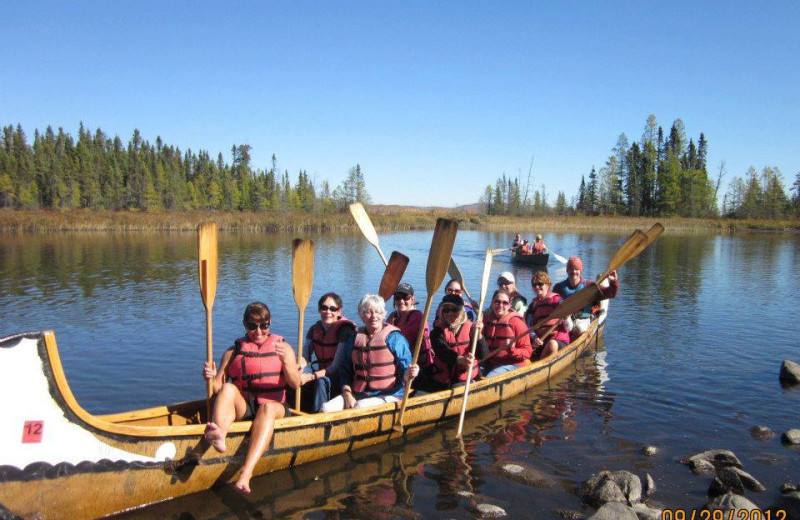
column 517, row 243
column 408, row 319
column 259, row 366
column 507, row 282
column 324, row 345
column 538, row 246
column 574, row 283
column 544, row 303
column 451, row 340
column 454, row 287
column 525, row 249
column 501, row 325
column 376, row 363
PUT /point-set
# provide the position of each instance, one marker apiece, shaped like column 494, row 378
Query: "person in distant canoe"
column 377, row 361
column 260, row 365
column 324, row 345
column 408, row 319
column 507, row 281
column 538, row 246
column 574, row 283
column 517, row 243
column 451, row 342
column 501, row 324
column 542, row 306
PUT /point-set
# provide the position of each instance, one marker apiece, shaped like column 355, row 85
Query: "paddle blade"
column 302, row 270
column 364, row 223
column 444, row 238
column 628, row 250
column 392, row 275
column 654, row 232
column 454, row 271
column 207, row 262
column 487, row 271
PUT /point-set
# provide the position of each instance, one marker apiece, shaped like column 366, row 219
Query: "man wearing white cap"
column 507, row 281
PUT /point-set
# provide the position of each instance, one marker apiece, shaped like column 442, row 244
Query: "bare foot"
column 243, row 483
column 215, row 436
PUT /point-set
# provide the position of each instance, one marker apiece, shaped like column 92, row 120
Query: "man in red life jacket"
column 574, row 283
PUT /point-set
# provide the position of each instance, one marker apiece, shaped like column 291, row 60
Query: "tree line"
column 662, row 174
column 99, row 172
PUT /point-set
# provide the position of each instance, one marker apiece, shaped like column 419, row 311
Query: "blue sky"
column 435, row 100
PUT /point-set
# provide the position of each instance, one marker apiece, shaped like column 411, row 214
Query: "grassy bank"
column 384, row 218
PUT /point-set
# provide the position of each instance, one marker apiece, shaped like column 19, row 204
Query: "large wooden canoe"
column 58, row 461
column 539, row 260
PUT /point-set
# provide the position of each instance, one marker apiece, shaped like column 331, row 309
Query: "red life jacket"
column 373, row 363
column 497, row 331
column 409, row 327
column 541, row 309
column 460, row 344
column 257, row 370
column 325, row 342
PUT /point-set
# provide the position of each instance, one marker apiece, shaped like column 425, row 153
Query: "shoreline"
column 384, row 219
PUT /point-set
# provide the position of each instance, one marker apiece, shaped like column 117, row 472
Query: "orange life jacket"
column 325, row 342
column 373, row 363
column 497, row 331
column 257, row 370
column 541, row 309
column 459, row 343
column 409, row 327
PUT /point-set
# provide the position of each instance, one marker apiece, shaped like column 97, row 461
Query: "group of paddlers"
column 523, row 247
column 357, row 367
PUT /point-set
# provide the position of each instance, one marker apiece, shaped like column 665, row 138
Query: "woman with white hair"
column 377, row 361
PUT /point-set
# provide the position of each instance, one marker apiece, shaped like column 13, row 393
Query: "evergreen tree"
column 591, row 193
column 580, row 206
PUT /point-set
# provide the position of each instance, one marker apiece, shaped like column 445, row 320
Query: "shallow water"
column 693, row 345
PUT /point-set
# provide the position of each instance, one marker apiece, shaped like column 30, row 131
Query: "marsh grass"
column 384, row 218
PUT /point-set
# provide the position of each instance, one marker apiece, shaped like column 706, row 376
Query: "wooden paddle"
column 207, row 275
column 302, row 279
column 366, row 227
column 444, row 237
column 392, row 275
column 455, row 274
column 487, row 268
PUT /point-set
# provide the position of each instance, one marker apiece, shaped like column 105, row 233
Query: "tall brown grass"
column 384, row 218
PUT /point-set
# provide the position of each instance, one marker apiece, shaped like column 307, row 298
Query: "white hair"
column 372, row 302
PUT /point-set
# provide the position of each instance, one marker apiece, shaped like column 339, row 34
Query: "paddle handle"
column 298, row 392
column 383, row 257
column 398, row 425
column 472, row 348
column 210, row 359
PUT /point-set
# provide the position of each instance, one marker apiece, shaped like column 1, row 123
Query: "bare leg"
column 549, row 349
column 229, row 405
column 260, row 435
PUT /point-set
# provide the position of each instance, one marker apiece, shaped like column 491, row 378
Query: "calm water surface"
column 693, row 345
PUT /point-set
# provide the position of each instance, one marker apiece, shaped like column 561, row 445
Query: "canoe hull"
column 50, row 488
column 535, row 260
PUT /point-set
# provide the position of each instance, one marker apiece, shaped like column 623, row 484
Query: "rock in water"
column 761, row 433
column 791, row 437
column 789, row 502
column 524, row 474
column 647, row 513
column 790, row 372
column 719, row 458
column 614, row 511
column 731, row 502
column 650, row 451
column 490, row 511
column 649, row 486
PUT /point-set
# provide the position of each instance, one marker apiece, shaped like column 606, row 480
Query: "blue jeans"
column 499, row 369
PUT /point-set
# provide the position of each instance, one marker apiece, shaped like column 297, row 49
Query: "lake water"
column 693, row 346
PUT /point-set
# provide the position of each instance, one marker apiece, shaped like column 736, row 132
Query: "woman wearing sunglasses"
column 376, row 361
column 324, row 345
column 500, row 325
column 259, row 366
column 542, row 306
column 451, row 340
column 408, row 319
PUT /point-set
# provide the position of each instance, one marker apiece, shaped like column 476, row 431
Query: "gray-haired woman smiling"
column 377, row 361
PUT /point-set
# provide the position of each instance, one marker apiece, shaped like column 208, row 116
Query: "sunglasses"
column 504, row 282
column 404, row 297
column 453, row 291
column 449, row 310
column 501, row 302
column 332, row 308
column 264, row 325
column 537, row 284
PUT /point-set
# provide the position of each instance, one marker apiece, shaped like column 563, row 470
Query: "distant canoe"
column 59, row 461
column 539, row 260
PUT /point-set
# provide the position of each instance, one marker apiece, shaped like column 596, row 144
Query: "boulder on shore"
column 614, row 511
column 613, row 486
column 718, row 458
column 731, row 502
